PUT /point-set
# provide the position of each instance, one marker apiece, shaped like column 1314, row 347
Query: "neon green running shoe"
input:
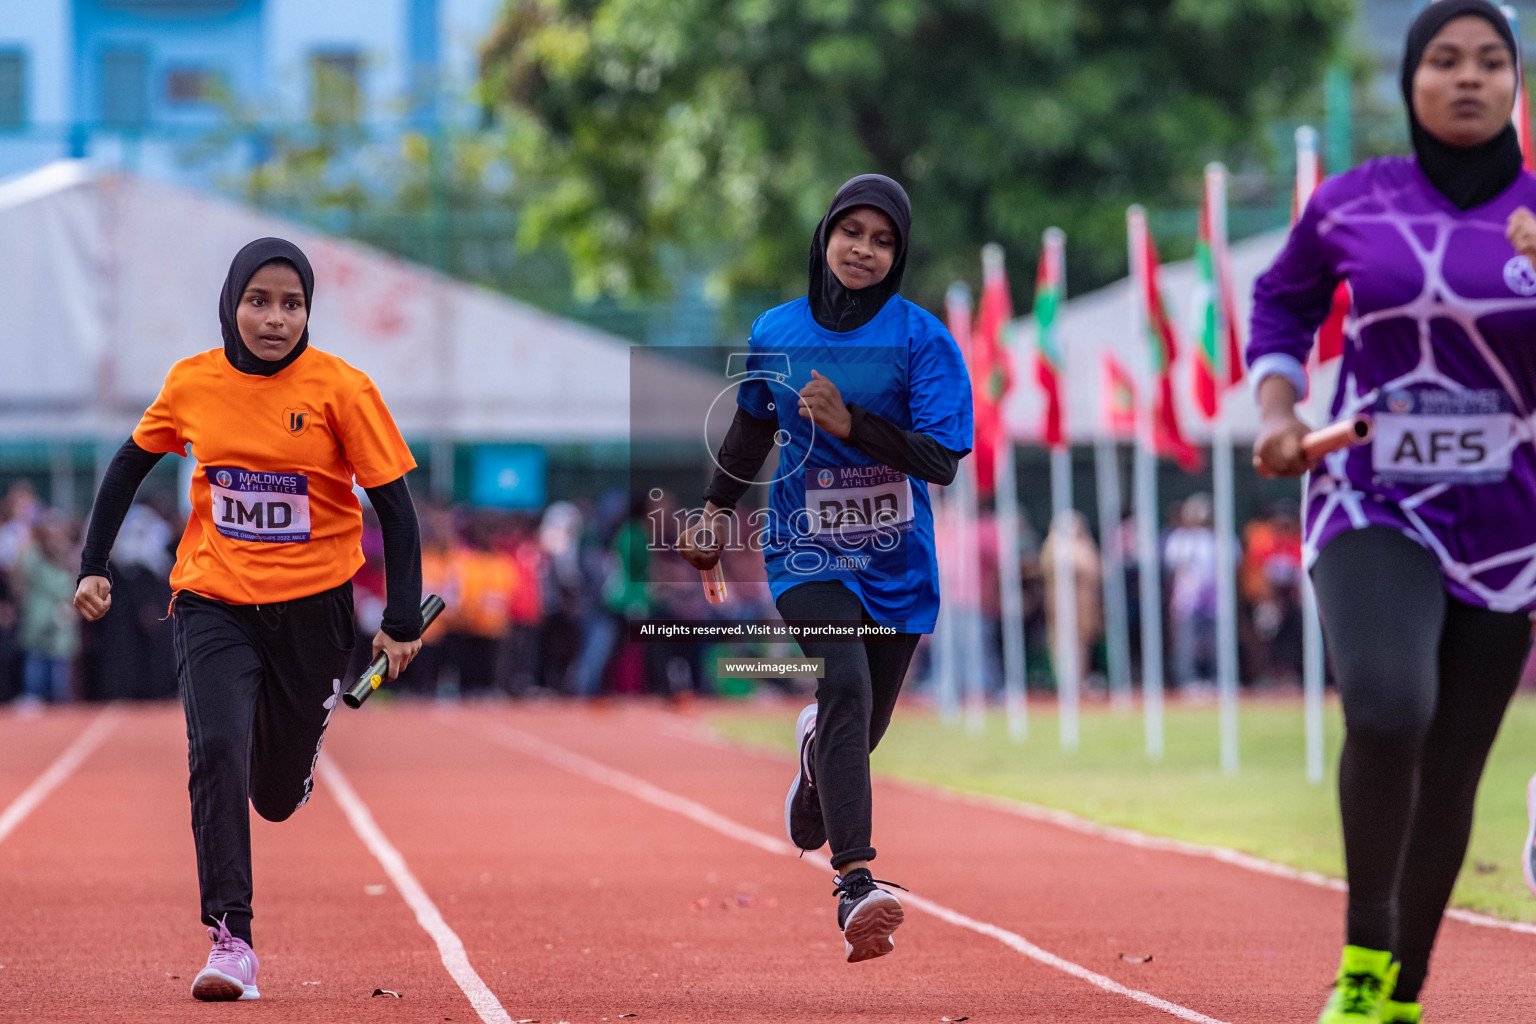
column 1360, row 990
column 1393, row 1012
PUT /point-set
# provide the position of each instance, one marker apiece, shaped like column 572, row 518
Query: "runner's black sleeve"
column 742, row 454
column 402, row 559
column 909, row 452
column 114, row 498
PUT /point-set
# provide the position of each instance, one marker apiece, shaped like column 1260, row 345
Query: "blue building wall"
column 40, row 33
column 219, row 37
column 89, row 64
column 424, row 59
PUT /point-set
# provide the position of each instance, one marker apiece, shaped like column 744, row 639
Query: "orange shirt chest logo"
column 296, row 419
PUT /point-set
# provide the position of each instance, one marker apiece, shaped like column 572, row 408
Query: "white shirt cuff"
column 1278, row 364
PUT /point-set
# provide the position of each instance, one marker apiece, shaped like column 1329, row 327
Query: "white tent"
column 109, row 279
column 1103, row 321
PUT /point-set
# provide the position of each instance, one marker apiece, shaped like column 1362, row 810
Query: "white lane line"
column 59, row 770
column 1484, row 921
column 1022, row 945
column 577, row 764
column 449, row 948
column 702, row 733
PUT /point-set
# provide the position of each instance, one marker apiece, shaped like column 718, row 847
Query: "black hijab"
column 835, row 306
column 1466, row 175
column 241, row 269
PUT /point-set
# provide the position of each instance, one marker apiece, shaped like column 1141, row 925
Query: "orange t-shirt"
column 438, row 577
column 274, row 517
column 488, row 579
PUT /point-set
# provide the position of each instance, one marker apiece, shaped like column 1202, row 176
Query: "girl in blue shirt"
column 883, row 409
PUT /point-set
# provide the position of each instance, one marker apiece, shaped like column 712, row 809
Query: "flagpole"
column 1106, row 464
column 1221, row 480
column 951, row 569
column 1226, row 594
column 969, row 636
column 1311, row 622
column 1010, row 582
column 1063, row 528
column 994, row 316
column 1011, row 586
column 943, row 673
column 1150, row 573
column 966, row 634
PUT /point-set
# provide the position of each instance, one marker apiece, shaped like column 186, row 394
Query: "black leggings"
column 258, row 683
column 1425, row 680
column 857, row 694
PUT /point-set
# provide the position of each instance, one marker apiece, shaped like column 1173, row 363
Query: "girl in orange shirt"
column 262, row 611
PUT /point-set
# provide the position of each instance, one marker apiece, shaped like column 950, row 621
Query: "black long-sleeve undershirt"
column 392, row 501
column 907, row 451
column 127, row 470
column 750, row 439
column 402, row 559
column 742, row 454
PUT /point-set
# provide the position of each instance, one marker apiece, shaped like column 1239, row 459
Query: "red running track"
column 599, row 863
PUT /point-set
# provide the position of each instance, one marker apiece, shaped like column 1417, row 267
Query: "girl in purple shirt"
column 1422, row 544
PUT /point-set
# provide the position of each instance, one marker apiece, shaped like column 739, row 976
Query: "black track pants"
column 1425, row 681
column 855, row 699
column 259, row 683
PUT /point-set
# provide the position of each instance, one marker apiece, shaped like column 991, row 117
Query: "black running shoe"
column 802, row 807
column 867, row 914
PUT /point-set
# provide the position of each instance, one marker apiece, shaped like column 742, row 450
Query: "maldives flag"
column 1523, row 125
column 1167, row 435
column 1219, row 358
column 1309, row 171
column 1117, row 399
column 1309, row 174
column 1522, row 114
column 1330, row 336
column 991, row 372
column 957, row 316
column 1049, row 285
column 994, row 374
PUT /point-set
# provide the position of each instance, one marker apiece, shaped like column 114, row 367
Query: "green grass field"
column 1268, row 809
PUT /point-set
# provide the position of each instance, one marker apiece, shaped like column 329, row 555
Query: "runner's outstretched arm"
column 908, row 451
column 402, row 559
column 742, row 454
column 114, row 497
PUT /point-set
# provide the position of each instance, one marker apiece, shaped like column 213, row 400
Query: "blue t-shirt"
column 835, row 513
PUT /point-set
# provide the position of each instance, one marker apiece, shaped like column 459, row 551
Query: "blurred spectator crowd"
column 539, row 602
column 1268, row 581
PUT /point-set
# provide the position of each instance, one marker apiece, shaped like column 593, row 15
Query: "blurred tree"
column 709, row 135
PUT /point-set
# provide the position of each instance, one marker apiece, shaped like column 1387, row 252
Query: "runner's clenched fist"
column 822, row 404
column 1521, row 232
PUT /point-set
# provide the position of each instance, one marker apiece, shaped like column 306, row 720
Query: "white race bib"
column 854, row 501
column 259, row 505
column 1433, row 436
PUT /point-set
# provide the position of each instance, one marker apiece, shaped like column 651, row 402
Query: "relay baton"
column 1345, row 434
column 373, row 676
column 713, row 577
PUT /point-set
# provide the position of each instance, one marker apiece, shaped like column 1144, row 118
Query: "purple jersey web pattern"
column 1442, row 303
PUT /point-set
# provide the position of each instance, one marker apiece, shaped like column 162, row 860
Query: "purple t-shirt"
column 1440, row 349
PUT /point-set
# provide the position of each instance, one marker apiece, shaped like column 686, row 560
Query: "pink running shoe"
column 231, row 970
